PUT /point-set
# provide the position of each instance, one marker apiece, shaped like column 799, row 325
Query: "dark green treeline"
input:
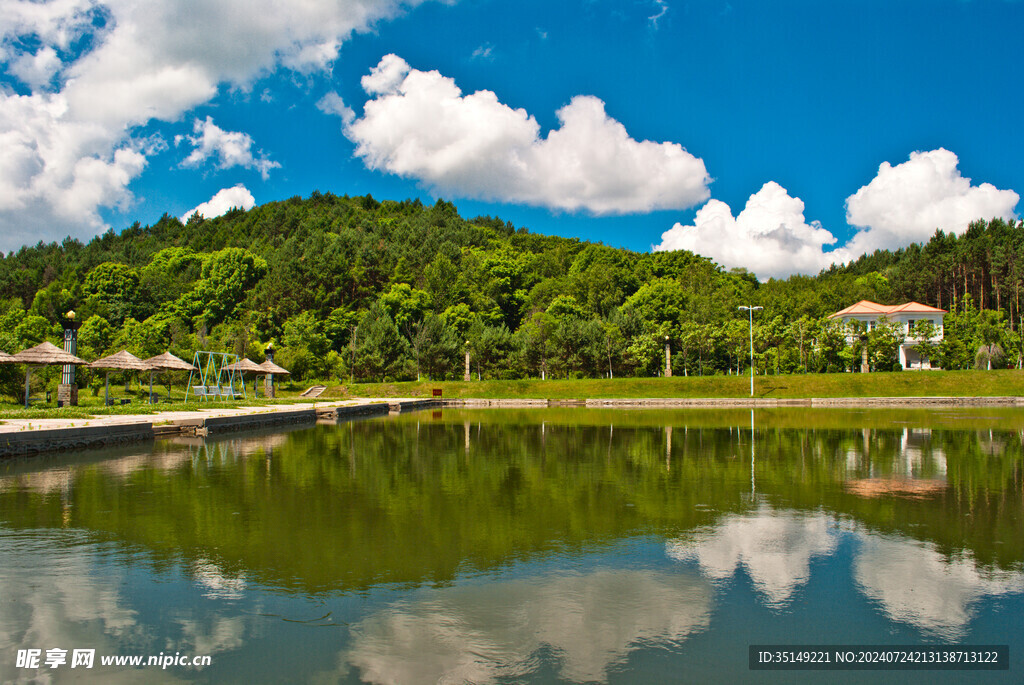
column 351, row 287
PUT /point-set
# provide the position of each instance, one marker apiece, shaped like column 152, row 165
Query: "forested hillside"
column 351, row 287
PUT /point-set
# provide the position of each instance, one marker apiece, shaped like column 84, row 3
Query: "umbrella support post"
column 28, row 375
column 106, row 391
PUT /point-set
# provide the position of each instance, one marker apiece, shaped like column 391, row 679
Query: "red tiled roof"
column 867, row 307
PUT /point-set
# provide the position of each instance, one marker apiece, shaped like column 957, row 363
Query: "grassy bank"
column 904, row 384
column 899, row 384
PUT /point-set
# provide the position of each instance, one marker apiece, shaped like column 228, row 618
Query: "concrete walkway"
column 164, row 417
column 25, row 437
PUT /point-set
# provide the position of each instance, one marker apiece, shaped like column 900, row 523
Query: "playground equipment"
column 218, row 378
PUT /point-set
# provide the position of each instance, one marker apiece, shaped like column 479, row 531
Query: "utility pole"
column 750, row 313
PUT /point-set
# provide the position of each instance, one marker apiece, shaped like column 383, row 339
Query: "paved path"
column 21, row 425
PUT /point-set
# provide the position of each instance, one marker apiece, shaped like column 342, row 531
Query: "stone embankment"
column 767, row 402
column 745, row 402
column 22, row 437
column 26, row 437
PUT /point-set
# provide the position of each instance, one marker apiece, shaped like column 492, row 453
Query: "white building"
column 905, row 315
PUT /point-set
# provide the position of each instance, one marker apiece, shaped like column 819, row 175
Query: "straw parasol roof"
column 270, row 368
column 46, row 354
column 6, row 358
column 168, row 362
column 243, row 366
column 122, row 361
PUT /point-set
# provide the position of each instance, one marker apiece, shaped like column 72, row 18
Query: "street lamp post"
column 750, row 313
column 668, row 359
column 67, row 391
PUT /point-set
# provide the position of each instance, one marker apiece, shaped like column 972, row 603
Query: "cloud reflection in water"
column 774, row 547
column 478, row 633
column 909, row 580
column 913, row 583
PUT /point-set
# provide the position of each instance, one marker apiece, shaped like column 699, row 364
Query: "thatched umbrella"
column 242, row 366
column 122, row 361
column 44, row 354
column 166, row 362
column 271, row 369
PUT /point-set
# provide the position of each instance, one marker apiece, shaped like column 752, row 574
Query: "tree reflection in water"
column 436, row 512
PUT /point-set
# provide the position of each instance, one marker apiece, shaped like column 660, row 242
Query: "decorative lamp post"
column 668, row 359
column 67, row 391
column 750, row 311
column 466, row 376
column 268, row 380
column 865, row 366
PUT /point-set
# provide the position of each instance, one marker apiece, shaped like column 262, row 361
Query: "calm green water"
column 522, row 546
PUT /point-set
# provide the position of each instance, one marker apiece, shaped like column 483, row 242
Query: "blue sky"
column 781, row 136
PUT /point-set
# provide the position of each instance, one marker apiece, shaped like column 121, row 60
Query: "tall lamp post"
column 67, row 391
column 750, row 313
column 668, row 359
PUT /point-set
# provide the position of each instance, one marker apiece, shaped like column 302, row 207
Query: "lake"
column 520, row 546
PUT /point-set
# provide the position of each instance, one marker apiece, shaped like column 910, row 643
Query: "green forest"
column 352, row 288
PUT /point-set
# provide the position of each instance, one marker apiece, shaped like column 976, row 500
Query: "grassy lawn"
column 898, row 384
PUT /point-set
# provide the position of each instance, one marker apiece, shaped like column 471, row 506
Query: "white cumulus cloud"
column 907, row 202
column 770, row 237
column 70, row 145
column 54, row 23
column 333, row 104
column 903, row 204
column 231, row 148
column 420, row 125
column 224, row 200
column 37, row 70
